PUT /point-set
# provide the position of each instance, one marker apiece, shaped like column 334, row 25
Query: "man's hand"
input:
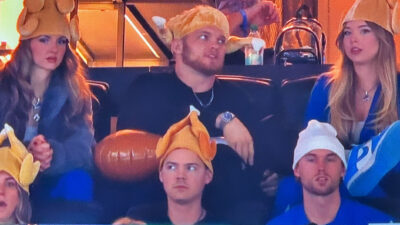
column 269, row 183
column 41, row 151
column 239, row 139
column 263, row 13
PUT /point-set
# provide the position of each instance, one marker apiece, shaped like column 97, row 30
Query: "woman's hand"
column 41, row 151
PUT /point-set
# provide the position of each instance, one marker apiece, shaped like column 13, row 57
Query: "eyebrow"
column 186, row 164
column 205, row 32
column 328, row 155
column 361, row 26
column 10, row 178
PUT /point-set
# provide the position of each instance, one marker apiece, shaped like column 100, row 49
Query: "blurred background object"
column 119, row 33
column 127, row 155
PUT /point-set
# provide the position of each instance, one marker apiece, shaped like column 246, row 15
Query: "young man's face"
column 184, row 176
column 320, row 172
column 204, row 50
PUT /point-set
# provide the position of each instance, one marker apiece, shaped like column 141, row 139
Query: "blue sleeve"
column 75, row 151
column 295, row 216
column 317, row 107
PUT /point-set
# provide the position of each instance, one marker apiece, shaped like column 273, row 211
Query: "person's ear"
column 160, row 176
column 343, row 170
column 209, row 176
column 177, row 46
column 296, row 171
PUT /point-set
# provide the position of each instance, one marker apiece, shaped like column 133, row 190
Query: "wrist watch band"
column 226, row 117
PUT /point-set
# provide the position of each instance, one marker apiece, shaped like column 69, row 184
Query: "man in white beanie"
column 319, row 164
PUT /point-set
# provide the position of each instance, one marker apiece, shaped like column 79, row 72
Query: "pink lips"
column 3, row 204
column 180, row 187
column 51, row 59
column 322, row 179
column 355, row 50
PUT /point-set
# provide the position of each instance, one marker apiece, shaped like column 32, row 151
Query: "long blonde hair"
column 341, row 96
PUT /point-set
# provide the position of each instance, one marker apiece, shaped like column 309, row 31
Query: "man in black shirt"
column 185, row 153
column 199, row 43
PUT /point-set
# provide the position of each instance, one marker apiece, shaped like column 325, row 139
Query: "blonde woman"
column 360, row 96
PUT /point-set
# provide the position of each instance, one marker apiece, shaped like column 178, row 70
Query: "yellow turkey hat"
column 385, row 13
column 48, row 17
column 189, row 134
column 196, row 18
column 16, row 160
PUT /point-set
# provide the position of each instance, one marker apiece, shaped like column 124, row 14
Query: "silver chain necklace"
column 36, row 105
column 205, row 105
column 366, row 94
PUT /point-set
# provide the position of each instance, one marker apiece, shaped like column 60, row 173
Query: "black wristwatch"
column 226, row 117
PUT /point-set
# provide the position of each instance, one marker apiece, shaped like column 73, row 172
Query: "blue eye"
column 192, row 168
column 203, row 37
column 221, row 41
column 11, row 183
column 365, row 31
column 171, row 167
column 44, row 39
column 332, row 159
column 310, row 158
column 346, row 33
column 62, row 41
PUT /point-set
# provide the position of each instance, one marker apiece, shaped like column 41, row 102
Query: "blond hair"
column 341, row 96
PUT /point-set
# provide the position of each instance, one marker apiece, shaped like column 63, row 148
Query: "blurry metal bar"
column 120, row 34
column 96, row 5
column 146, row 26
column 162, row 1
column 85, row 51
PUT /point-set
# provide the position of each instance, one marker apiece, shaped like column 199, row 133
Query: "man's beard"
column 311, row 188
column 198, row 65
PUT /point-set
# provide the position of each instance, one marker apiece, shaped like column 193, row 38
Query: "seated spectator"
column 185, row 153
column 360, row 98
column 44, row 96
column 156, row 101
column 319, row 165
column 17, row 172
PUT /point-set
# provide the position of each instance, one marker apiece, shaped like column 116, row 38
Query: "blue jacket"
column 71, row 142
column 349, row 213
column 318, row 108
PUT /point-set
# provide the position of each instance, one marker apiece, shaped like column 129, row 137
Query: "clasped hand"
column 41, row 151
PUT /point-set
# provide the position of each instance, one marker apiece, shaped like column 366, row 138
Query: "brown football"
column 127, row 155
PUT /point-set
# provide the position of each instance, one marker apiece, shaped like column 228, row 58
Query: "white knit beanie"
column 318, row 135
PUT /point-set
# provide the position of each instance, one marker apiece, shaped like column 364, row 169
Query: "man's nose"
column 321, row 165
column 181, row 173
